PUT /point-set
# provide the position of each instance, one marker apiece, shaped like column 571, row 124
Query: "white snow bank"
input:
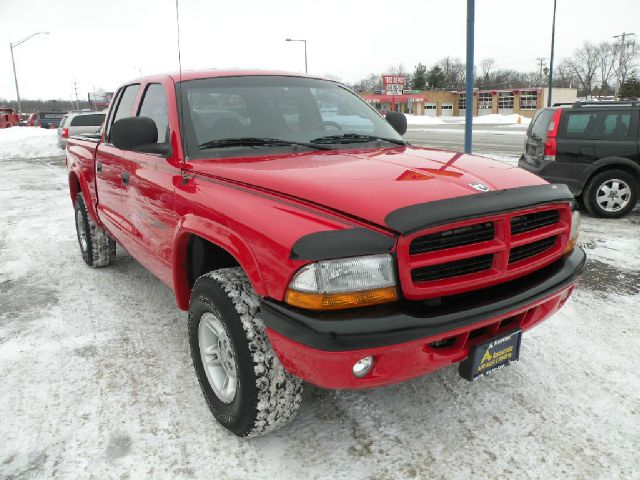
column 423, row 120
column 28, row 142
column 497, row 119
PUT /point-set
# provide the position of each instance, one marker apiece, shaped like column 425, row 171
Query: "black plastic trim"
column 403, row 322
column 409, row 219
column 349, row 242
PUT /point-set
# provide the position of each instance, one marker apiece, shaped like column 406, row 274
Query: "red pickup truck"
column 309, row 242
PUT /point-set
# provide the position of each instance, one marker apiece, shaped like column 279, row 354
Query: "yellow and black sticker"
column 492, row 355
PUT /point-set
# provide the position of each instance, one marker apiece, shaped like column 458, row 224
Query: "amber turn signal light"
column 337, row 301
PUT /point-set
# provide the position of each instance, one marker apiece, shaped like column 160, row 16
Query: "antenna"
column 183, row 169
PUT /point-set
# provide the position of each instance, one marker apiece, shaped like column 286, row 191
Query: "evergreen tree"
column 436, row 77
column 630, row 88
column 419, row 79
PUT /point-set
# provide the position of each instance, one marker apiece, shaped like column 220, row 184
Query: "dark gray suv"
column 594, row 148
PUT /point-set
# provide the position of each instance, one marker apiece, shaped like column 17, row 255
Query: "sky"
column 101, row 44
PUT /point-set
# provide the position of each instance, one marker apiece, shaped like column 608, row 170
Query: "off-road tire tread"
column 279, row 394
column 101, row 248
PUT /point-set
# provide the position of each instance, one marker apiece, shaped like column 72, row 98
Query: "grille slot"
column 530, row 249
column 456, row 237
column 532, row 221
column 452, row 269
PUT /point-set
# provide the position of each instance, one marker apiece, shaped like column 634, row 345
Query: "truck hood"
column 369, row 184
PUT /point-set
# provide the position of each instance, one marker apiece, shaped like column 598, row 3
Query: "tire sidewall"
column 591, row 198
column 239, row 415
column 87, row 255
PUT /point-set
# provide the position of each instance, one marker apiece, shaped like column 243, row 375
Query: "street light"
column 305, row 51
column 15, row 76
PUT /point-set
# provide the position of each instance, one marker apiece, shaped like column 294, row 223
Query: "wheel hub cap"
column 613, row 195
column 218, row 360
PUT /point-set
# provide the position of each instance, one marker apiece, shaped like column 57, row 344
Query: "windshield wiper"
column 354, row 138
column 257, row 142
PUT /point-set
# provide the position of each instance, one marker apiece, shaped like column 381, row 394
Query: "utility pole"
column 75, row 89
column 553, row 44
column 621, row 66
column 468, row 112
column 542, row 62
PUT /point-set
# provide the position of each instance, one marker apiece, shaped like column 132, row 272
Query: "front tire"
column 97, row 248
column 246, row 387
column 611, row 194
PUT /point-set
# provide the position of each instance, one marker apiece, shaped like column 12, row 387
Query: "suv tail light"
column 550, row 144
column 65, row 133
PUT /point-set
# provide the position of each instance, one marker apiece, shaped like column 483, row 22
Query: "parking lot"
column 97, row 381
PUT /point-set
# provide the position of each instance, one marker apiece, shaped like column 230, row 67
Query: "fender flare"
column 620, row 162
column 84, row 189
column 219, row 235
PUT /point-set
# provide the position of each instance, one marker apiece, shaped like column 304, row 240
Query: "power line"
column 75, row 89
column 621, row 67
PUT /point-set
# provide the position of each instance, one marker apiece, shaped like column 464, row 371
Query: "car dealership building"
column 524, row 101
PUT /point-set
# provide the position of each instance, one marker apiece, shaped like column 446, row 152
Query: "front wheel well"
column 204, row 256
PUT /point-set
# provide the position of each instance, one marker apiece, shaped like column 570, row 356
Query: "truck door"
column 110, row 168
column 147, row 195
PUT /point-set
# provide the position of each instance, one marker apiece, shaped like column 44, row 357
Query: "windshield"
column 303, row 111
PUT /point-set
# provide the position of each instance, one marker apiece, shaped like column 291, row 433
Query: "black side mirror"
column 139, row 134
column 398, row 121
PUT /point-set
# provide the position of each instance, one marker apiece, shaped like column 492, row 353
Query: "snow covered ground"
column 97, row 381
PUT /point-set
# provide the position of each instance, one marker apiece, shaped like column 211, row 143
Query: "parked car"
column 79, row 124
column 8, row 117
column 47, row 119
column 594, row 148
column 304, row 251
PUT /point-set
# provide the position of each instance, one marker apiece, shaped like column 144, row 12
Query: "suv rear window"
column 540, row 125
column 93, row 120
column 50, row 116
column 604, row 125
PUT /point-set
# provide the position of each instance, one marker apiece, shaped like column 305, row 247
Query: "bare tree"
column 627, row 60
column 584, row 65
column 486, row 66
column 606, row 67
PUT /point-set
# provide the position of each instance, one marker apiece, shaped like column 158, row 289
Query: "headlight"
column 575, row 230
column 344, row 283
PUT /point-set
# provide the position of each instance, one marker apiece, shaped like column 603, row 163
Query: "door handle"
column 125, row 178
column 99, row 167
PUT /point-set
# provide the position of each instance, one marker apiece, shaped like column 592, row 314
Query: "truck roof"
column 214, row 73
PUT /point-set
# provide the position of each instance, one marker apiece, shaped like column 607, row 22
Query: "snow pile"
column 497, row 119
column 28, row 142
column 423, row 120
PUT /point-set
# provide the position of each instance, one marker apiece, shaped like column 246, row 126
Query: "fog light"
column 362, row 367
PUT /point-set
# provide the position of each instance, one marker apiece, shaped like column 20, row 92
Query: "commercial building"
column 524, row 101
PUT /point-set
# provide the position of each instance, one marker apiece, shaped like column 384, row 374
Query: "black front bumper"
column 406, row 321
column 574, row 175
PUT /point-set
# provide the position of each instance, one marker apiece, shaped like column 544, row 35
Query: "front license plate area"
column 487, row 357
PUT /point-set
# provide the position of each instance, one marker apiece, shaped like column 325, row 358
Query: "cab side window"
column 154, row 106
column 125, row 104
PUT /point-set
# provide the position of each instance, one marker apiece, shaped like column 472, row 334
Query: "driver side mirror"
column 398, row 121
column 138, row 134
